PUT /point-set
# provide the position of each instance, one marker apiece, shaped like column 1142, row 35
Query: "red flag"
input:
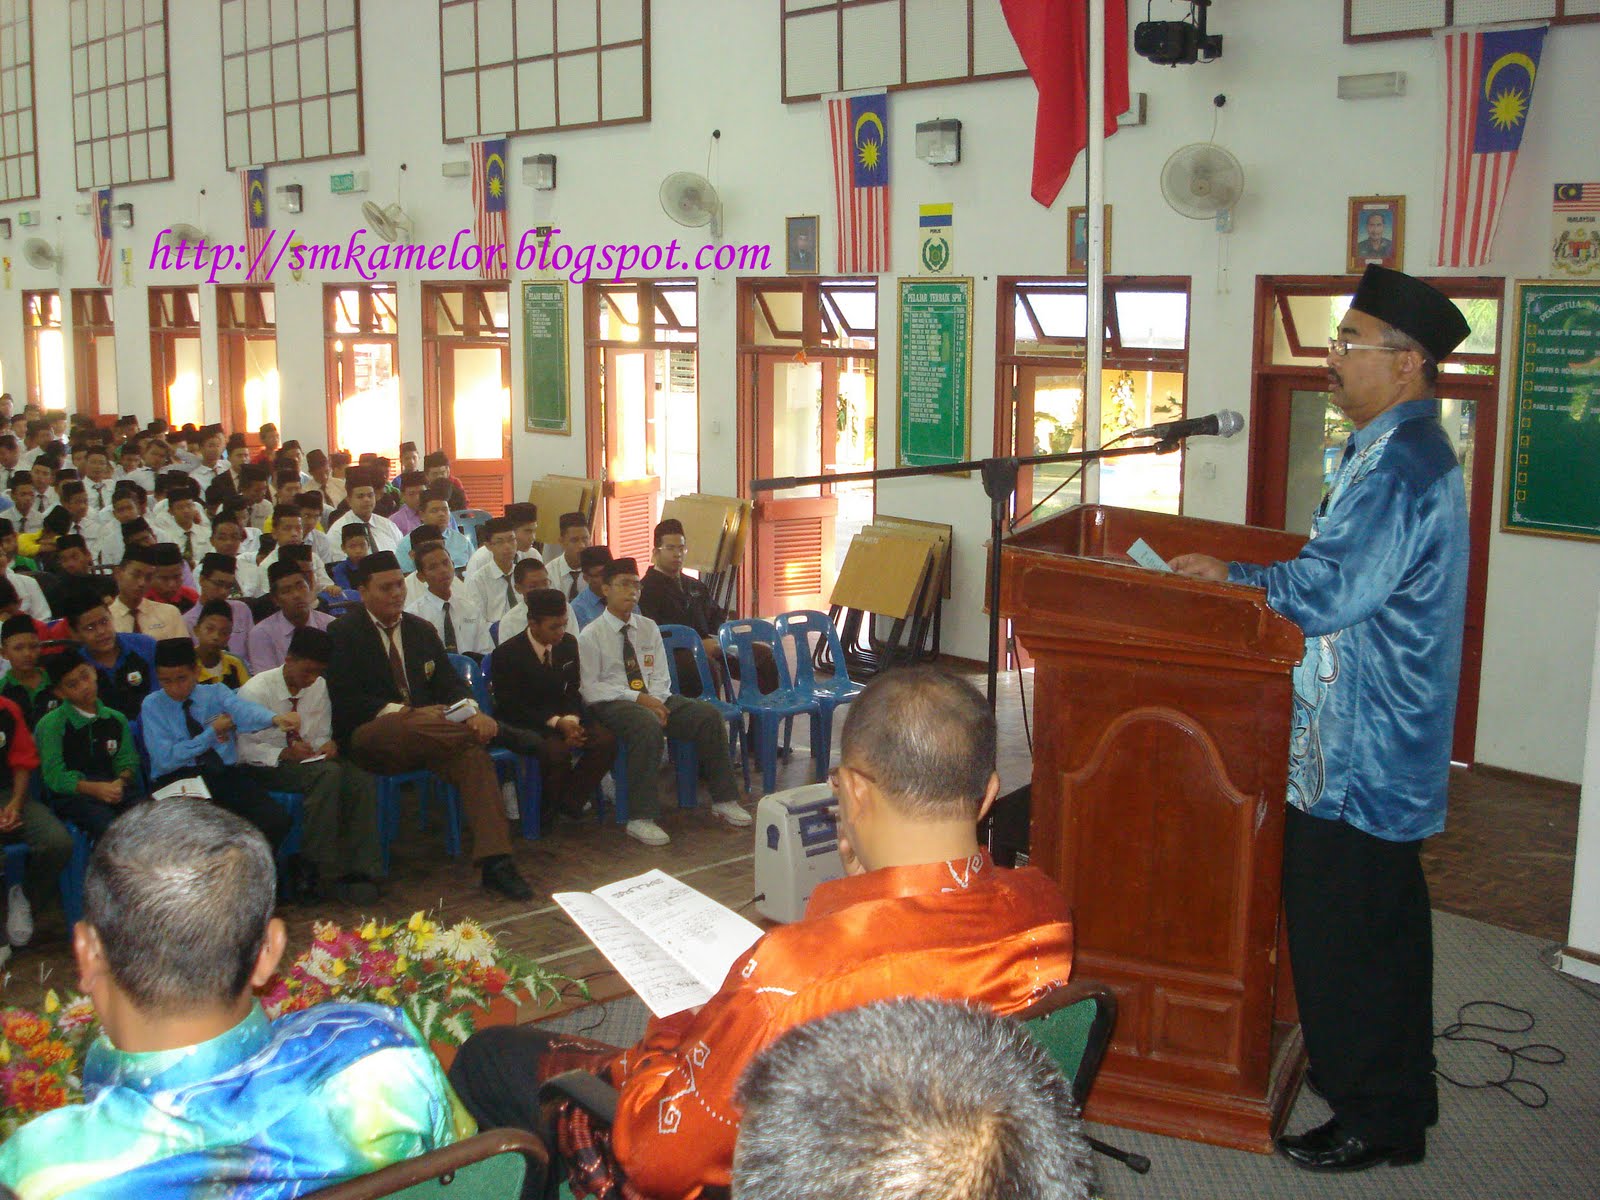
column 489, row 205
column 102, row 235
column 1053, row 35
column 257, row 222
column 859, row 129
column 1488, row 83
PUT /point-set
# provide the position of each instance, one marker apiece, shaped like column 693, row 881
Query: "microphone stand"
column 999, row 477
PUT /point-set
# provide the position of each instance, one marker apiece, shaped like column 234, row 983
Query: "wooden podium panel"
column 1160, row 770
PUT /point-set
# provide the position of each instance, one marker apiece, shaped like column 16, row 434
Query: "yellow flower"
column 369, row 931
column 338, row 968
column 385, row 994
column 51, row 1001
column 402, row 965
column 417, row 922
column 387, row 931
column 5, row 1051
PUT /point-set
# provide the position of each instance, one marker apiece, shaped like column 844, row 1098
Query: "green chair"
column 1073, row 1026
column 490, row 1166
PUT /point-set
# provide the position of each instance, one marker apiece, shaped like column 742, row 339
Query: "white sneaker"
column 731, row 813
column 508, row 797
column 608, row 789
column 648, row 832
column 19, row 917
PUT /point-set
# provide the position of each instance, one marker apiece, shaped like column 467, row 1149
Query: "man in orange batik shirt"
column 921, row 911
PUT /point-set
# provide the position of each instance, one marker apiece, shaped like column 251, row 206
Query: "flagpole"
column 1094, row 242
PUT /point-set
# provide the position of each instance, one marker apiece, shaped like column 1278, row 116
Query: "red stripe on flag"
column 488, row 228
column 862, row 214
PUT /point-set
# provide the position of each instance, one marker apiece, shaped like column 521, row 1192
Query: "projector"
column 1169, row 43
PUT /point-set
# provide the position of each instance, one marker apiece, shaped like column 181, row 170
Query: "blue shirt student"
column 1380, row 592
column 455, row 541
column 166, row 731
column 586, row 606
column 124, row 684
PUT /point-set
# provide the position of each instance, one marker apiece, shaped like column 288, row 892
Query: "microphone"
column 1218, row 424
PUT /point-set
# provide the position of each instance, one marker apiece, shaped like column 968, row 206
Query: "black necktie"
column 449, row 630
column 511, row 594
column 630, row 662
column 397, row 666
column 572, row 586
column 206, row 760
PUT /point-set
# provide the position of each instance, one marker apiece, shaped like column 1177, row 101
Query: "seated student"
column 341, row 800
column 535, row 683
column 212, row 632
column 389, row 683
column 25, row 683
column 24, row 819
column 11, row 606
column 184, row 524
column 669, row 597
column 524, row 520
column 330, row 478
column 125, row 662
column 355, row 543
column 190, row 1090
column 44, row 479
column 285, row 487
column 73, row 569
column 89, row 763
column 409, row 515
column 921, row 911
column 436, row 512
column 29, row 514
column 909, row 1098
column 528, row 576
column 291, row 593
column 169, row 583
column 591, row 601
column 310, row 506
column 70, row 514
column 228, row 537
column 493, row 585
column 29, row 594
column 447, row 604
column 565, row 567
column 436, row 466
column 363, row 497
column 289, row 532
column 131, row 609
column 627, row 686
column 189, row 730
column 218, row 580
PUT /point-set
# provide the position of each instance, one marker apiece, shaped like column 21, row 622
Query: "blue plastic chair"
column 681, row 637
column 830, row 691
column 502, row 758
column 739, row 639
column 293, row 803
column 530, row 790
column 77, row 871
column 427, row 787
column 470, row 521
column 685, row 769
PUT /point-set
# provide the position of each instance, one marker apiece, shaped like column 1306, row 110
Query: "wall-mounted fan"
column 41, row 255
column 389, row 222
column 1203, row 182
column 193, row 235
column 690, row 199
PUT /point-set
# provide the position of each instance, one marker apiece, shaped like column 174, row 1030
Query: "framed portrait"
column 1078, row 240
column 1375, row 233
column 800, row 245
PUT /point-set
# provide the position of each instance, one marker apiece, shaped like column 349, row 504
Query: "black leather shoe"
column 500, row 875
column 1332, row 1148
column 302, row 881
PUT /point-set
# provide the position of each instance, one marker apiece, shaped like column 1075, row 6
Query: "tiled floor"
column 1506, row 858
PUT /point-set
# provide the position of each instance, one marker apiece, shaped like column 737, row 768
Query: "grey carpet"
column 1485, row 1147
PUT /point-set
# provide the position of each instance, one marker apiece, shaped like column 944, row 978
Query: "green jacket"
column 61, row 779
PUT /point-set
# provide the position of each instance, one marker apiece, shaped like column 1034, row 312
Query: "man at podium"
column 1380, row 593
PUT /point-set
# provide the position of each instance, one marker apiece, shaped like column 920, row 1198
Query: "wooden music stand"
column 1159, row 776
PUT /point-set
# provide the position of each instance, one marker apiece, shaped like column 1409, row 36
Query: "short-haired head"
column 926, row 738
column 908, row 1100
column 665, row 529
column 573, row 520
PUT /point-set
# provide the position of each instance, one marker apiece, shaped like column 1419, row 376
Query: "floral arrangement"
column 41, row 1057
column 442, row 976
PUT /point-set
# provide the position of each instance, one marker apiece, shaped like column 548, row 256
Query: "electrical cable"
column 1531, row 1094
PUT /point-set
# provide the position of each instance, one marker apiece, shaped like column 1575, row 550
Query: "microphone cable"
column 1480, row 1032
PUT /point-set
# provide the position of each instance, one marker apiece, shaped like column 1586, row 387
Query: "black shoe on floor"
column 1332, row 1148
column 302, row 882
column 500, row 875
column 356, row 890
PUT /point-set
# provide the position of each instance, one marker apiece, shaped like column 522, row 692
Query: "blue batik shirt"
column 262, row 1112
column 1380, row 593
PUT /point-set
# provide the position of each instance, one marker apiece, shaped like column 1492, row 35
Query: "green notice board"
column 1553, row 451
column 935, row 378
column 544, row 357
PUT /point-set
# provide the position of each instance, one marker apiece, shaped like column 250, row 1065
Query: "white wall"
column 1583, row 931
column 715, row 64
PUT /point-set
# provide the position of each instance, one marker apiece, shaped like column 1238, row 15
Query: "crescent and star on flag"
column 869, row 149
column 258, row 198
column 494, row 170
column 1509, row 106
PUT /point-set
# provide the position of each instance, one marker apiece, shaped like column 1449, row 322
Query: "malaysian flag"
column 256, row 231
column 860, row 131
column 1488, row 80
column 102, row 234
column 1577, row 197
column 489, row 205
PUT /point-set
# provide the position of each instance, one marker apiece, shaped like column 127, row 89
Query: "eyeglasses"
column 1342, row 346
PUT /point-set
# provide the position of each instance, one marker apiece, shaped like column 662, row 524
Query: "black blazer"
column 359, row 680
column 526, row 692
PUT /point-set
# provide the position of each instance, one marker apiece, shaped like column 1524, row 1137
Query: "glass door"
column 466, row 355
column 360, row 338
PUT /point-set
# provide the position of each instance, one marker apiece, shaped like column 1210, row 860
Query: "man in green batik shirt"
column 190, row 1091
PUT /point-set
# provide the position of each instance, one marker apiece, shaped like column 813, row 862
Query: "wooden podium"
column 1161, row 752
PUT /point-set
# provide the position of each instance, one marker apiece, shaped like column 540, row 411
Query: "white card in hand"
column 1141, row 553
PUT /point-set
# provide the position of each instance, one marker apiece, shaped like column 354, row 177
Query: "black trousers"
column 234, row 789
column 1361, row 947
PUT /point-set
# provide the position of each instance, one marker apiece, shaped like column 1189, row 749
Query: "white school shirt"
column 489, row 588
column 561, row 574
column 270, row 691
column 385, row 535
column 515, row 621
column 483, row 558
column 600, row 671
column 472, row 631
